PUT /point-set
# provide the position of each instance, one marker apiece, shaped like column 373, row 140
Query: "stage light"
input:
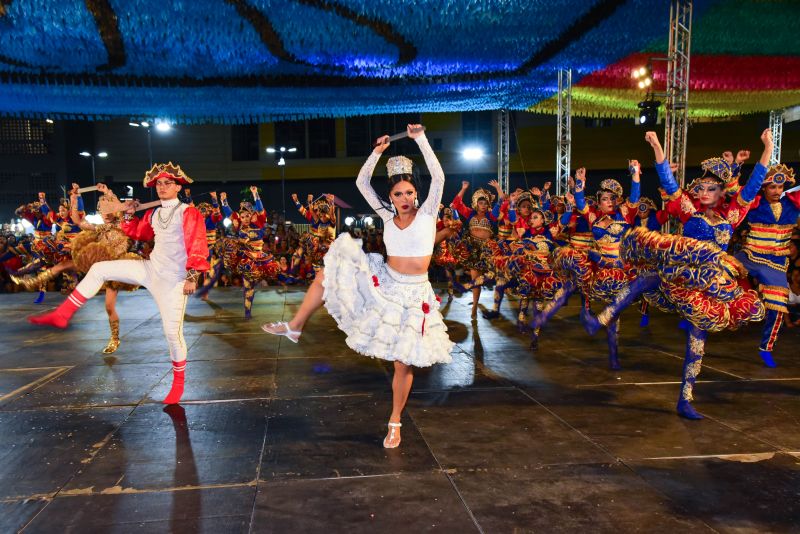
column 85, row 154
column 145, row 124
column 134, row 124
column 472, row 153
column 368, row 221
column 163, row 126
column 49, row 121
column 348, row 221
column 293, row 149
column 648, row 112
column 270, row 150
column 102, row 155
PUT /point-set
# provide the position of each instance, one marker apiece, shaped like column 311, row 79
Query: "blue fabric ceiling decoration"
column 236, row 61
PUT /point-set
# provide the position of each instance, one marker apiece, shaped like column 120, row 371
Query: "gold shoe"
column 113, row 343
column 33, row 282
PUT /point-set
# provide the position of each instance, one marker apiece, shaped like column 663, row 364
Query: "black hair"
column 395, row 179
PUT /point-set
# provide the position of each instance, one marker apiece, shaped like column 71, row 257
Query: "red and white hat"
column 168, row 171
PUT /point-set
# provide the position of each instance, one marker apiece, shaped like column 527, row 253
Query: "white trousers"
column 166, row 288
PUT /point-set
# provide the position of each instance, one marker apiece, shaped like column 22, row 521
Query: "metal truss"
column 776, row 125
column 503, row 144
column 676, row 121
column 564, row 131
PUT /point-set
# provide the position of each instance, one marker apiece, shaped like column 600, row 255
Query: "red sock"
column 178, row 377
column 60, row 316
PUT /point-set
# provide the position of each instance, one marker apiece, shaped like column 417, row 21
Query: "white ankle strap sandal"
column 292, row 335
column 390, row 437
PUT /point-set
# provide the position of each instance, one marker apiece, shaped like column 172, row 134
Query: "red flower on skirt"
column 375, row 281
column 425, row 309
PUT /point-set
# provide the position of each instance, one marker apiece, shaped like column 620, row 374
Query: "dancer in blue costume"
column 692, row 275
column 772, row 217
column 598, row 273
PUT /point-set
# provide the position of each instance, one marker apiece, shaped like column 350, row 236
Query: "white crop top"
column 417, row 239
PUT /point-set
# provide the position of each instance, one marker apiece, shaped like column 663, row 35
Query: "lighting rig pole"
column 676, row 119
column 87, row 154
column 564, row 131
column 776, row 125
column 503, row 145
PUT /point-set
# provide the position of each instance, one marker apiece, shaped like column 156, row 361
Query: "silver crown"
column 399, row 165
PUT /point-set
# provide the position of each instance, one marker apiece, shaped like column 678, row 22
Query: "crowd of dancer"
column 611, row 249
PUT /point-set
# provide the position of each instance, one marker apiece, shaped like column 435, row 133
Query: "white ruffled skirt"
column 385, row 314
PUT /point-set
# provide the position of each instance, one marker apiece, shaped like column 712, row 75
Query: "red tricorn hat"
column 165, row 170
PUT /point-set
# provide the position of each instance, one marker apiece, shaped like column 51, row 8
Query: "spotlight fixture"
column 348, row 221
column 643, row 76
column 648, row 112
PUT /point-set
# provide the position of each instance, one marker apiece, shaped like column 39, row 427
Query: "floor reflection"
column 184, row 503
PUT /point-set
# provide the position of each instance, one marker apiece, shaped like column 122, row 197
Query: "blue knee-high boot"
column 624, row 298
column 693, row 361
column 769, row 334
column 612, row 338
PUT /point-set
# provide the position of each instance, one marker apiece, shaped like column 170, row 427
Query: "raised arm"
column 665, row 176
column 365, row 176
column 458, row 202
column 431, row 204
column 748, row 193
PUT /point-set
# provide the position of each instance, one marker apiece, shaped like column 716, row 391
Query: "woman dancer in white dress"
column 388, row 310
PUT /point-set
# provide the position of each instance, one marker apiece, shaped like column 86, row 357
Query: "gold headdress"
column 321, row 204
column 646, row 203
column 481, row 194
column 399, row 165
column 779, row 174
column 165, row 170
column 717, row 167
column 525, row 196
column 611, row 186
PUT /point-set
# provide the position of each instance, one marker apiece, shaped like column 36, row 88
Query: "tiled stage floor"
column 277, row 437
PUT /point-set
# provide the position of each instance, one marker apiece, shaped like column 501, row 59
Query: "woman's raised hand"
column 381, row 144
column 411, row 133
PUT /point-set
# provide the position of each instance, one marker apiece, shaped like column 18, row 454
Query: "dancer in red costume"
column 170, row 274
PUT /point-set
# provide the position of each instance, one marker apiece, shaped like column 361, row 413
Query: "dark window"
column 361, row 132
column 291, row 134
column 25, row 137
column 322, row 138
column 244, row 142
column 476, row 127
column 20, row 188
column 597, row 123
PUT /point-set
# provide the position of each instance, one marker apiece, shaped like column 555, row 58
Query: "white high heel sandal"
column 292, row 335
column 390, row 437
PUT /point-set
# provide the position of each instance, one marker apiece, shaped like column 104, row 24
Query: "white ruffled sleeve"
column 369, row 194
column 431, row 205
